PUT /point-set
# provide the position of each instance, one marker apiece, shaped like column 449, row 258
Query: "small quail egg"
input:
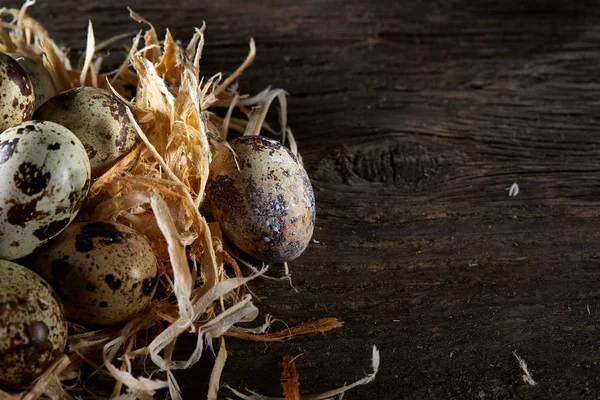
column 98, row 118
column 45, row 178
column 33, row 328
column 42, row 83
column 17, row 100
column 267, row 207
column 104, row 272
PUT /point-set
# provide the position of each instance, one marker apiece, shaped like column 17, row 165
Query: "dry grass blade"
column 89, row 54
column 49, row 382
column 215, row 376
column 239, row 71
column 290, row 379
column 320, row 325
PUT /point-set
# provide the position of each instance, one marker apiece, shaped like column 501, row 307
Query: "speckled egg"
column 45, row 176
column 17, row 100
column 105, row 273
column 33, row 328
column 267, row 207
column 98, row 118
column 43, row 86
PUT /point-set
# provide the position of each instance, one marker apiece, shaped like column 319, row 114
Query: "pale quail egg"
column 17, row 100
column 104, row 272
column 33, row 328
column 267, row 207
column 43, row 86
column 98, row 118
column 44, row 178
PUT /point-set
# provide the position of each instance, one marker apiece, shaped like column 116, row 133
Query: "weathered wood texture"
column 414, row 118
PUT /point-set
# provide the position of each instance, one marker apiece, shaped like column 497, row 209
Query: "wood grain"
column 413, row 119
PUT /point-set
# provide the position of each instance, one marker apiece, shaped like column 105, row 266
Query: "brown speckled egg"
column 98, row 118
column 44, row 179
column 42, row 83
column 104, row 272
column 33, row 328
column 17, row 100
column 267, row 207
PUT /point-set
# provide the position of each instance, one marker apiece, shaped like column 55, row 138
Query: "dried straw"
column 157, row 189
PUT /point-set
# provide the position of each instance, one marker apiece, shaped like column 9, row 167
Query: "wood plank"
column 413, row 119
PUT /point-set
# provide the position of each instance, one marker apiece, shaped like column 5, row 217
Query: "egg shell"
column 43, row 86
column 98, row 118
column 17, row 99
column 105, row 273
column 267, row 207
column 33, row 328
column 44, row 179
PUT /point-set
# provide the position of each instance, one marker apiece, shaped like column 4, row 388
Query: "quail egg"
column 267, row 207
column 43, row 86
column 17, row 100
column 33, row 328
column 98, row 118
column 105, row 273
column 45, row 178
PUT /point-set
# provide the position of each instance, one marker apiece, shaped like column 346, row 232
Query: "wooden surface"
column 414, row 117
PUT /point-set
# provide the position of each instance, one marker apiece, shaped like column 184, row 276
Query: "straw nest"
column 158, row 189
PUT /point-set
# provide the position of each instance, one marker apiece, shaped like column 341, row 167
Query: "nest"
column 158, row 189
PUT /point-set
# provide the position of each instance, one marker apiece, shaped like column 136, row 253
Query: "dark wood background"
column 414, row 117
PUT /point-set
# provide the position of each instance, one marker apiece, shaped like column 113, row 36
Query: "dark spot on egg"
column 124, row 133
column 7, row 306
column 30, row 179
column 54, row 146
column 60, row 269
column 90, row 287
column 279, row 205
column 90, row 150
column 148, row 285
column 29, row 108
column 257, row 199
column 259, row 143
column 15, row 244
column 21, row 214
column 103, row 304
column 7, row 148
column 76, row 197
column 108, row 233
column 52, row 229
column 17, row 74
column 112, row 283
column 15, row 102
column 223, row 187
column 135, row 285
